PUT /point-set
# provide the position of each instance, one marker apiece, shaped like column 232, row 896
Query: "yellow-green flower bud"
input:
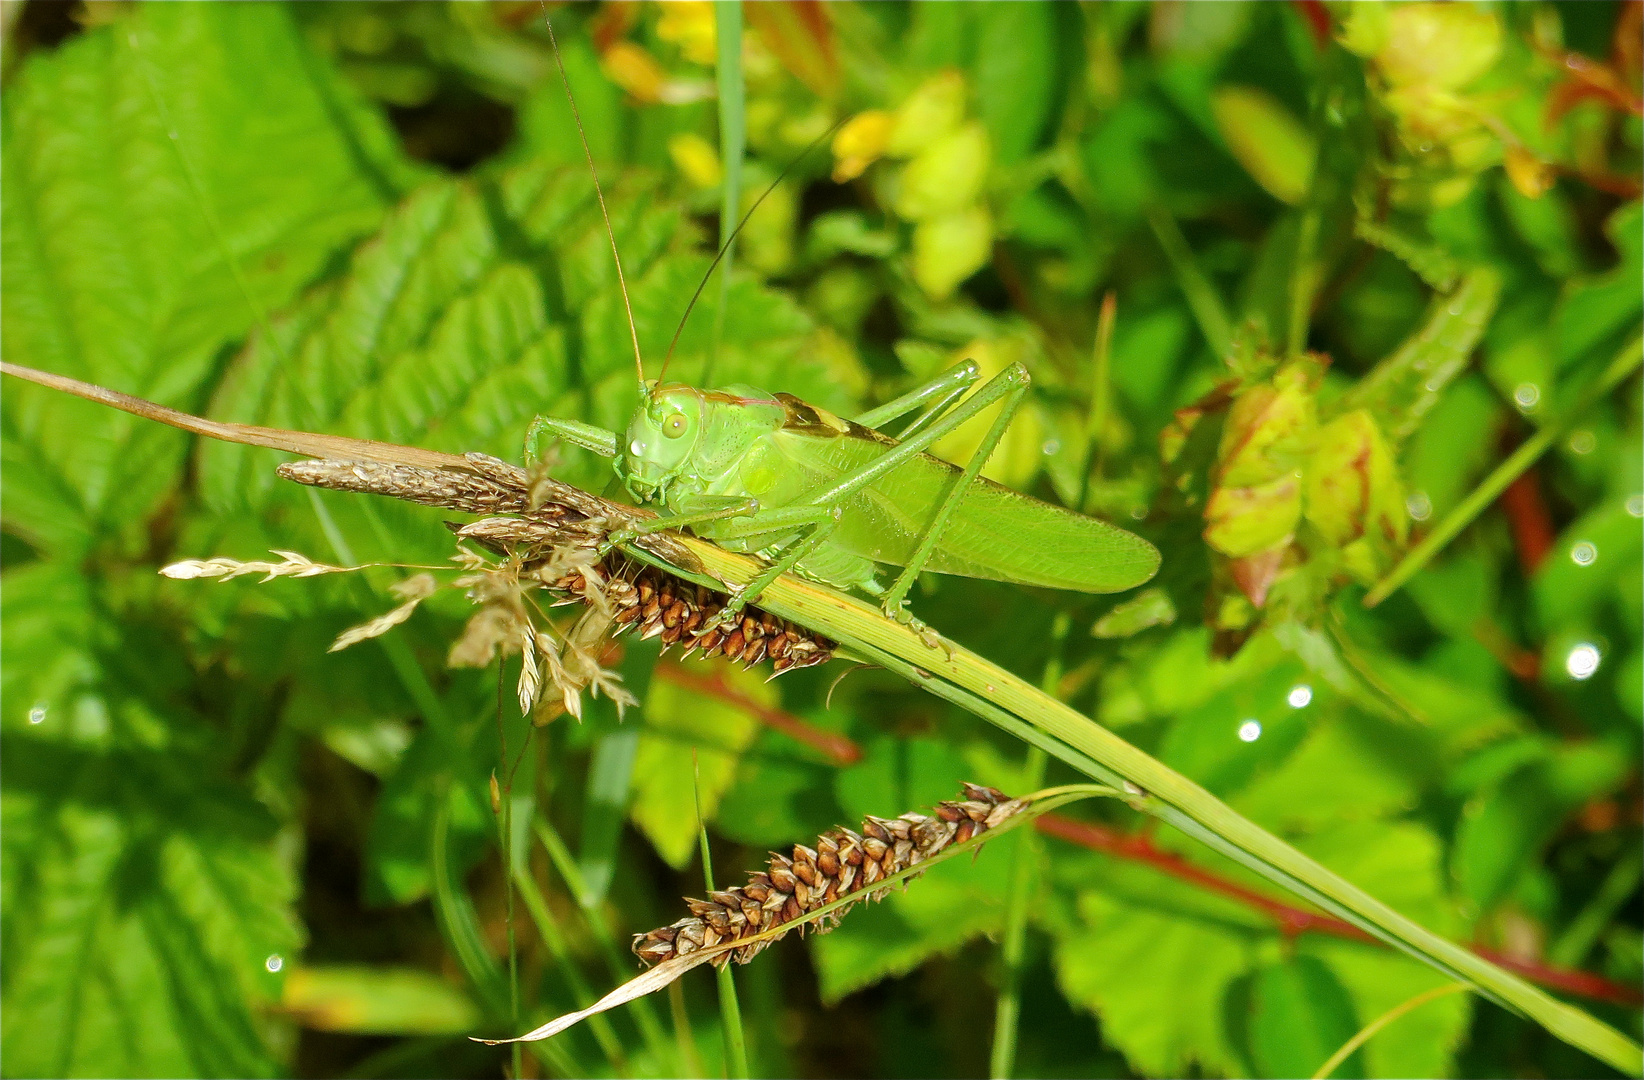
column 1354, row 498
column 946, row 176
column 1443, row 46
column 1274, row 147
column 930, row 112
column 950, row 248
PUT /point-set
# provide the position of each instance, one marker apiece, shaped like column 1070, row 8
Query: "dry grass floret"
column 538, row 555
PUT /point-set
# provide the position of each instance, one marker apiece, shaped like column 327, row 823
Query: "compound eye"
column 674, row 426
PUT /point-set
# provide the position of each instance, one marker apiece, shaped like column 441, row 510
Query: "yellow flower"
column 635, row 70
column 860, row 143
column 690, row 25
column 696, row 158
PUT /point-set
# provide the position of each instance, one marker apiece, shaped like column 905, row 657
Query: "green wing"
column 995, row 533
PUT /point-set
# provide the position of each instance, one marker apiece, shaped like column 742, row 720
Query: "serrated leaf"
column 480, row 304
column 145, row 891
column 1161, row 962
column 1580, row 570
column 1334, row 775
column 170, row 180
column 1420, row 1043
column 898, row 775
column 1153, row 960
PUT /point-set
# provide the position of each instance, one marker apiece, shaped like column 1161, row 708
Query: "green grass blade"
column 605, row 807
column 1625, row 363
column 1578, row 938
column 1008, row 1012
column 733, row 137
column 683, row 1036
column 730, row 1010
column 552, row 936
column 1202, row 299
column 620, row 962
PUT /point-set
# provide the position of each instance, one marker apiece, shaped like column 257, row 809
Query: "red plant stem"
column 839, row 749
column 1294, row 920
column 1532, row 524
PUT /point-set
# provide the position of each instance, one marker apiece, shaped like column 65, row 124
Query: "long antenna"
column 726, row 246
column 622, row 281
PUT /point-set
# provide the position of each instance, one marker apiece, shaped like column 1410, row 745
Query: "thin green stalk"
column 730, row 1010
column 462, row 932
column 1366, row 1033
column 1007, row 1013
column 1304, row 280
column 956, row 674
column 1625, row 363
column 733, row 130
column 620, row 962
column 1202, row 299
column 552, row 936
column 683, row 1035
column 503, row 810
column 1101, row 396
column 1578, row 938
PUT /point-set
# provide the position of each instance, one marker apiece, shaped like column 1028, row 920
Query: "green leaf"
column 1595, row 309
column 666, row 788
column 774, row 803
column 898, row 775
column 1299, row 1014
column 1274, row 147
column 378, row 1001
column 1582, row 568
column 170, row 180
column 1504, row 825
column 1337, row 773
column 1153, row 959
column 147, row 895
column 1162, row 963
column 1015, row 75
column 610, row 777
column 1421, row 1043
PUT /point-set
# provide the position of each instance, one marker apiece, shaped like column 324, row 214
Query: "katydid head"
column 661, row 436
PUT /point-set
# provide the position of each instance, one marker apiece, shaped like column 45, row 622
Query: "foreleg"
column 546, row 428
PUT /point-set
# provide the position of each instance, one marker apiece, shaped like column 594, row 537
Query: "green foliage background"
column 227, row 852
